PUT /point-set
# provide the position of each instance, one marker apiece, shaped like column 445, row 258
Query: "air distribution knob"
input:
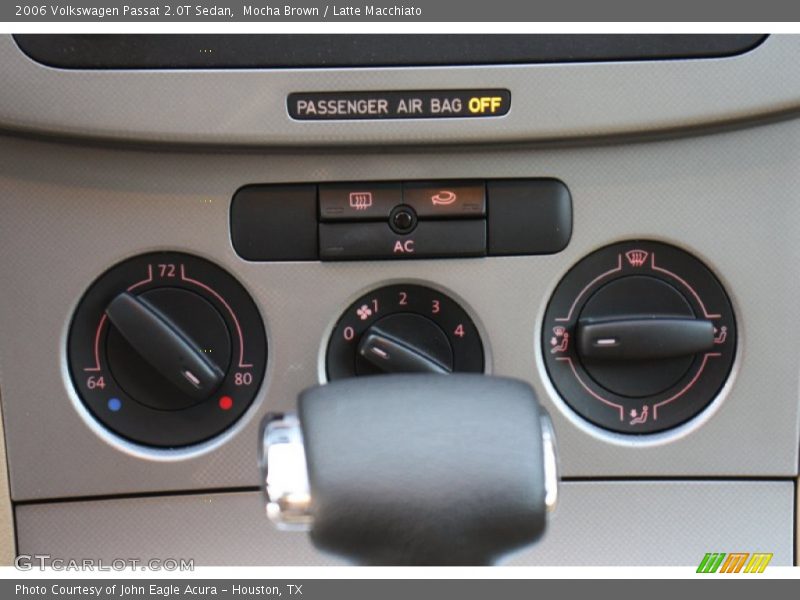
column 639, row 337
column 167, row 349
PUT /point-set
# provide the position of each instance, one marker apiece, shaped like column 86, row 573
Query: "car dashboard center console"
column 618, row 229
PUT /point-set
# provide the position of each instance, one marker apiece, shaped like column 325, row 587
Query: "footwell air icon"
column 735, row 562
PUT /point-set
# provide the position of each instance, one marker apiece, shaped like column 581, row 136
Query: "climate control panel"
column 168, row 350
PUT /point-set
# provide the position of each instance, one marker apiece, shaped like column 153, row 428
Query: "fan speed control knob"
column 404, row 329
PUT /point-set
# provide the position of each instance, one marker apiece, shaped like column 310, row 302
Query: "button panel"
column 401, row 220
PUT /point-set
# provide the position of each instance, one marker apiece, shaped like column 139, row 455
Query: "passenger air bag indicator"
column 428, row 104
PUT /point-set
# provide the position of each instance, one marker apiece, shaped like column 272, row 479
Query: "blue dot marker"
column 114, row 404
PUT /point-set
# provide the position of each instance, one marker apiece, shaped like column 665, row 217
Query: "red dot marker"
column 226, row 403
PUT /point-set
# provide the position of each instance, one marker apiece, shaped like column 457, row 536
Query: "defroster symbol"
column 360, row 200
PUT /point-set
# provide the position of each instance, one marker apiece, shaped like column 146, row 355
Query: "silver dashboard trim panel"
column 71, row 212
column 248, row 106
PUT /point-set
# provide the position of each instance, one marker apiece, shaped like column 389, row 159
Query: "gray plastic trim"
column 7, row 538
column 549, row 101
column 600, row 523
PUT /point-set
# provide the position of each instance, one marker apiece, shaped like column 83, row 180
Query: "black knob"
column 639, row 337
column 167, row 349
column 404, row 328
column 405, row 343
column 158, row 347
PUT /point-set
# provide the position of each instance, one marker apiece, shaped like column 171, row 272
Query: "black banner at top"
column 712, row 11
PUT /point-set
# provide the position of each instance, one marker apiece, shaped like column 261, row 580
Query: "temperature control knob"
column 639, row 337
column 167, row 349
column 404, row 329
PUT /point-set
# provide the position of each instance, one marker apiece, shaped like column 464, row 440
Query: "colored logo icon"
column 735, row 562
